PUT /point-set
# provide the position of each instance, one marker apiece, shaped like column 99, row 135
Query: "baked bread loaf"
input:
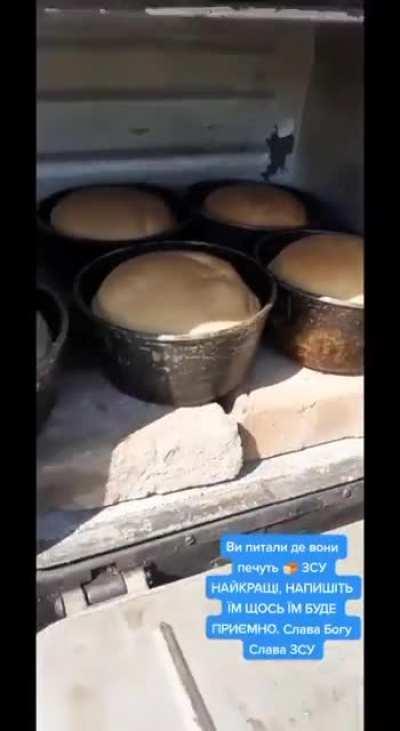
column 255, row 204
column 175, row 293
column 330, row 266
column 112, row 214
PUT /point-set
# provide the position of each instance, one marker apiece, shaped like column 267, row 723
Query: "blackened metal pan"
column 242, row 238
column 324, row 335
column 55, row 315
column 66, row 255
column 178, row 370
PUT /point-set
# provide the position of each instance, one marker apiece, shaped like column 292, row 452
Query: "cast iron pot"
column 322, row 335
column 176, row 369
column 66, row 255
column 238, row 237
column 53, row 311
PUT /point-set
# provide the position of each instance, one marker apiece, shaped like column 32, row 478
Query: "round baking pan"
column 54, row 313
column 181, row 370
column 66, row 255
column 239, row 237
column 324, row 335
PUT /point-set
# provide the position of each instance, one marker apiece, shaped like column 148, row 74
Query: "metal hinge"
column 107, row 584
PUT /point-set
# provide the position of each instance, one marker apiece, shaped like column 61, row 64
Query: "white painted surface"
column 110, row 669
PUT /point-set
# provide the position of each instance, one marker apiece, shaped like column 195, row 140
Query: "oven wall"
column 329, row 159
column 177, row 100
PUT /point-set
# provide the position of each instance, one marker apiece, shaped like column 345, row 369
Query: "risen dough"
column 255, row 204
column 111, row 214
column 327, row 265
column 176, row 293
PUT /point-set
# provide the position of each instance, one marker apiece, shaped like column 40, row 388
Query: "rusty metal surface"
column 323, row 335
column 320, row 335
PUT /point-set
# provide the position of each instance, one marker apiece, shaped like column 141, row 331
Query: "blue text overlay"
column 283, row 598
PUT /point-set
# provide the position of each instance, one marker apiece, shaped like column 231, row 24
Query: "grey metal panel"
column 202, row 107
column 323, row 11
column 329, row 157
column 189, row 552
column 124, row 5
column 174, row 100
column 66, row 535
column 91, row 127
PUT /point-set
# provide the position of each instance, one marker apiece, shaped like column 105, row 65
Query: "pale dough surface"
column 112, row 214
column 256, row 205
column 175, row 292
column 327, row 265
